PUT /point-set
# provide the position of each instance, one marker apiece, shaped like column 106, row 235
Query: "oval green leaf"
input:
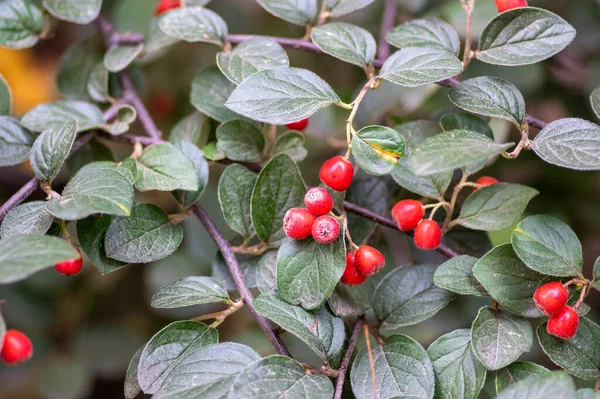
column 194, row 24
column 377, row 149
column 192, row 290
column 425, row 32
column 347, row 42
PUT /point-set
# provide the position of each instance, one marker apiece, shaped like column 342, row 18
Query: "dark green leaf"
column 189, row 291
column 463, row 120
column 2, row 330
column 557, row 384
column 195, row 154
column 131, row 386
column 51, row 148
column 347, row 42
column 28, row 218
column 48, row 115
column 456, row 275
column 77, row 11
column 120, row 57
column 377, row 149
column 248, row 265
column 595, row 101
column 210, row 90
column 91, row 233
column 5, row 97
column 292, row 144
column 425, row 32
column 296, row 12
column 235, row 195
column 350, row 300
column 194, row 24
column 266, row 278
column 15, row 142
column 164, row 167
column 82, row 74
column 21, row 22
column 194, row 128
column 240, row 140
column 596, row 278
column 155, row 39
column 516, row 372
column 338, row 8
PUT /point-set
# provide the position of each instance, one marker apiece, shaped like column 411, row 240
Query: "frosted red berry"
column 299, row 125
column 564, row 323
column 505, row 5
column 166, row 5
column 318, row 201
column 325, row 229
column 16, row 348
column 337, row 173
column 297, row 223
column 407, row 214
column 428, row 234
column 368, row 260
column 550, row 298
column 351, row 275
column 70, row 267
column 485, row 181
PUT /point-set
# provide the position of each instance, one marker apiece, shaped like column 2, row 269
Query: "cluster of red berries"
column 551, row 299
column 70, row 267
column 408, row 215
column 166, row 5
column 365, row 262
column 16, row 347
column 505, row 5
column 301, row 223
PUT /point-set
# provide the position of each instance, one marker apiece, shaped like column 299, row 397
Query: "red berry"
column 352, row 276
column 505, row 5
column 17, row 347
column 325, row 229
column 551, row 297
column 564, row 324
column 70, row 267
column 318, row 201
column 368, row 260
column 337, row 173
column 166, row 5
column 485, row 181
column 297, row 223
column 407, row 214
column 428, row 234
column 299, row 125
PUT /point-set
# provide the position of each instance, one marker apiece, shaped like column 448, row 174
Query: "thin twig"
column 387, row 22
column 339, row 384
column 468, row 5
column 371, row 362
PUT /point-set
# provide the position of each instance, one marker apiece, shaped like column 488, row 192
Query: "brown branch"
column 339, row 384
column 387, row 22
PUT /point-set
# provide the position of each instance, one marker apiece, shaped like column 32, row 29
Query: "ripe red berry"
column 325, row 229
column 337, row 173
column 564, row 324
column 505, row 5
column 351, row 275
column 166, row 5
column 407, row 214
column 70, row 267
column 17, row 347
column 368, row 260
column 428, row 234
column 318, row 201
column 551, row 297
column 297, row 223
column 485, row 181
column 299, row 125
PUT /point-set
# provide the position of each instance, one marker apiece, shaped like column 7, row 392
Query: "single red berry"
column 368, row 260
column 70, row 267
column 17, row 347
column 325, row 229
column 318, row 201
column 564, row 324
column 505, row 5
column 299, row 125
column 166, row 5
column 337, row 173
column 297, row 223
column 428, row 234
column 551, row 297
column 407, row 214
column 351, row 275
column 485, row 181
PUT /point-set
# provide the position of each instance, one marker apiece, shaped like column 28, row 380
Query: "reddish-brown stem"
column 339, row 384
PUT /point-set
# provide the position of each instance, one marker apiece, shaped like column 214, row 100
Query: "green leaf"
column 189, row 291
column 490, row 96
column 77, row 11
column 586, row 393
column 296, row 12
column 15, row 142
column 240, row 140
column 21, row 22
column 446, row 151
column 167, row 347
column 368, row 192
column 2, row 330
column 131, row 386
column 499, row 337
column 278, row 188
column 235, row 195
column 266, row 278
column 194, row 128
column 48, row 115
column 164, row 167
column 548, row 245
column 377, row 149
column 118, row 58
column 248, row 265
column 97, row 83
column 307, row 272
column 282, row 95
column 595, row 101
column 146, row 236
column 195, row 154
column 402, row 370
column 155, row 39
column 576, row 355
column 557, row 384
column 347, row 42
column 463, row 120
column 523, row 36
column 571, row 143
column 210, row 90
column 416, row 66
column 28, row 218
column 91, row 233
column 251, row 56
column 194, row 24
column 516, row 372
column 456, row 275
column 319, row 329
column 596, row 271
column 495, row 207
column 5, row 97
column 79, row 78
column 24, row 254
column 94, row 189
column 280, row 377
column 458, row 372
column 51, row 148
column 126, row 115
column 338, row 8
column 211, row 153
column 509, row 281
column 425, row 32
column 292, row 144
column 408, row 296
column 350, row 300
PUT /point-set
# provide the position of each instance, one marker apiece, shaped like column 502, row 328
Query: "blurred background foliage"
column 86, row 328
